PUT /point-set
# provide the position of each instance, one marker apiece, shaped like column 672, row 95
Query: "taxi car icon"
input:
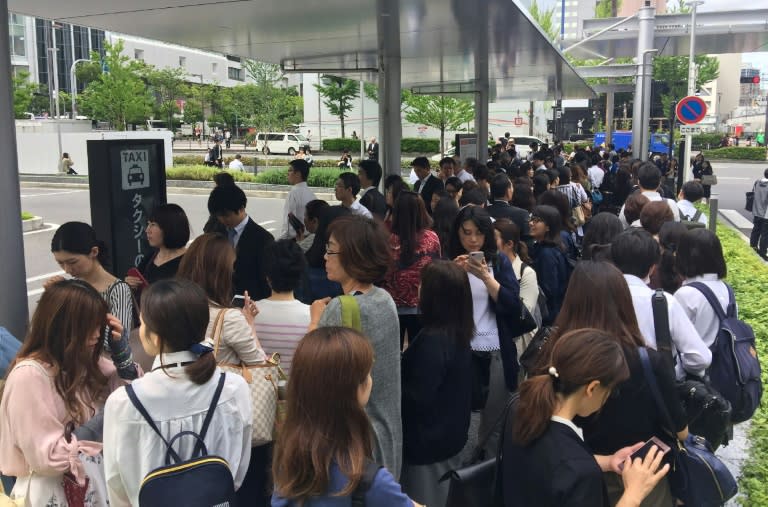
column 135, row 175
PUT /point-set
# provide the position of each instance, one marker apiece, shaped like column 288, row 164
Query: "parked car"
column 280, row 142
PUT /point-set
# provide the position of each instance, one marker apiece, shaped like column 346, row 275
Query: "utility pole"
column 73, row 80
column 691, row 86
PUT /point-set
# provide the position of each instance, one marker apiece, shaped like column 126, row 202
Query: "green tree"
column 438, row 111
column 545, row 19
column 607, row 8
column 168, row 87
column 673, row 71
column 119, row 95
column 264, row 74
column 23, row 94
column 338, row 95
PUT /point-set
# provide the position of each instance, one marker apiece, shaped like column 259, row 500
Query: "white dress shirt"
column 653, row 196
column 698, row 308
column 235, row 234
column 132, row 449
column 595, row 175
column 295, row 203
column 358, row 209
column 693, row 353
column 689, row 210
column 236, row 165
column 463, row 176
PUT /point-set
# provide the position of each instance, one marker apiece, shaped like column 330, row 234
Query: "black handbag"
column 530, row 355
column 479, row 484
column 750, row 203
column 709, row 413
column 698, row 477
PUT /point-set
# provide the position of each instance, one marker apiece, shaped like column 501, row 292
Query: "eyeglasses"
column 328, row 250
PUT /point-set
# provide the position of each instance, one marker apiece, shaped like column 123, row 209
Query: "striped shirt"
column 280, row 325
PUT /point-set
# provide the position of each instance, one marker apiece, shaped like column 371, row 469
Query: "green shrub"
column 340, row 144
column 203, row 173
column 318, row 177
column 735, row 153
column 749, row 277
column 26, row 216
column 419, row 145
column 199, row 159
column 704, row 141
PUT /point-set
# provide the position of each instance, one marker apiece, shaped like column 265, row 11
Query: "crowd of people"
column 396, row 317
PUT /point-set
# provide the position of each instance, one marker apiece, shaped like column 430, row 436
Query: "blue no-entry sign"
column 691, row 110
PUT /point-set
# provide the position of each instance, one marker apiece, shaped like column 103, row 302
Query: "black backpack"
column 691, row 222
column 201, row 481
column 366, row 481
column 735, row 370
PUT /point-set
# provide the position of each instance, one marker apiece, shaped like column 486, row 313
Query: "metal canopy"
column 438, row 38
column 744, row 31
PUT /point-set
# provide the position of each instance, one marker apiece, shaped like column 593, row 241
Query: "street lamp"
column 73, row 80
column 691, row 84
column 202, row 105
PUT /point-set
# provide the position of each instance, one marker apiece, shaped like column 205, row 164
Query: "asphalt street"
column 58, row 206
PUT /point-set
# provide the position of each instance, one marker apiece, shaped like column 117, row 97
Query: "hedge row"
column 749, row 277
column 407, row 145
column 735, row 153
column 203, row 173
column 318, row 177
column 323, row 177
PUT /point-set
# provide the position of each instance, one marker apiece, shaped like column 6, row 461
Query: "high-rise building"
column 569, row 16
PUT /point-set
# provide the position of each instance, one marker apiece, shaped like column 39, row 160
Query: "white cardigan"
column 132, row 449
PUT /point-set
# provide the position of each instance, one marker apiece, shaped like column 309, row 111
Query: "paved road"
column 60, row 206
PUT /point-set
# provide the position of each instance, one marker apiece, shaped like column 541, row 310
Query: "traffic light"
column 551, row 126
column 750, row 80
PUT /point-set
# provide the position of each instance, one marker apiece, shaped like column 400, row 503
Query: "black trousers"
column 256, row 490
column 410, row 323
column 759, row 237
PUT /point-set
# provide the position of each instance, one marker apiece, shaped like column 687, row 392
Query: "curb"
column 189, row 186
column 32, row 224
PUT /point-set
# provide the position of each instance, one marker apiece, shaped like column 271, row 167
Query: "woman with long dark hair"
column 632, row 415
column 176, row 394
column 437, row 379
column 665, row 276
column 495, row 302
column 412, row 246
column 324, row 449
column 443, row 215
column 51, row 411
column 546, row 461
column 549, row 258
column 82, row 256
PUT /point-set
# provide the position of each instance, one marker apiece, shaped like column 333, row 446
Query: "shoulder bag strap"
column 650, row 377
column 661, row 322
column 218, row 325
column 711, row 298
column 731, row 302
column 366, row 481
column 214, row 403
column 143, row 411
column 697, row 215
column 350, row 312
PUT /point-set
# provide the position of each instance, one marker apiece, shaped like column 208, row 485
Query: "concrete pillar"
column 641, row 110
column 481, row 85
column 14, row 311
column 609, row 104
column 390, row 123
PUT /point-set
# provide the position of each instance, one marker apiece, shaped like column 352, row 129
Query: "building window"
column 17, row 35
column 214, row 67
column 138, row 54
column 235, row 73
column 182, row 61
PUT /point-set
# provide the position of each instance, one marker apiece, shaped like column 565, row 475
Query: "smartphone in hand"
column 134, row 272
column 477, row 256
column 238, row 301
column 646, row 448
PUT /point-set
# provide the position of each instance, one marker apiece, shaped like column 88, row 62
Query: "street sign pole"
column 691, row 86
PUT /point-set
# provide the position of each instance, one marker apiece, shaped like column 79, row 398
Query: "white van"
column 280, row 142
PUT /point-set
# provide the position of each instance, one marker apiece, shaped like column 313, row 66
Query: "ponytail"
column 201, row 370
column 536, row 406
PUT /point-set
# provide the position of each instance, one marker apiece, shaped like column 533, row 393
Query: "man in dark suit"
column 227, row 203
column 373, row 150
column 428, row 183
column 501, row 195
column 369, row 172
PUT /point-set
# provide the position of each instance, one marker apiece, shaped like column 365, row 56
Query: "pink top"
column 32, row 420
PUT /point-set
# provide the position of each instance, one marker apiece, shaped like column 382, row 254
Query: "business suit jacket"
column 373, row 151
column 520, row 217
column 375, row 202
column 431, row 185
column 249, row 263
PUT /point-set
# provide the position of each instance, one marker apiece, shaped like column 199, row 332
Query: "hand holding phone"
column 645, row 449
column 478, row 257
column 238, row 301
column 135, row 273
